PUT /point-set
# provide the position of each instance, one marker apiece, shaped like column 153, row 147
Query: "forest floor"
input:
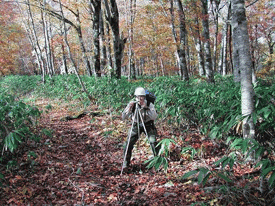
column 80, row 164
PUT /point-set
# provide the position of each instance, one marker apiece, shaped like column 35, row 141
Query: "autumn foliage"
column 15, row 50
column 152, row 41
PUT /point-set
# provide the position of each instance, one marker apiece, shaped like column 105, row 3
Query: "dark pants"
column 152, row 134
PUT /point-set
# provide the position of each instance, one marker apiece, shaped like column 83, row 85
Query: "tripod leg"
column 128, row 142
column 152, row 143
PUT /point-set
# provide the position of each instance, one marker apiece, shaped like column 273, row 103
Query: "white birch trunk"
column 241, row 43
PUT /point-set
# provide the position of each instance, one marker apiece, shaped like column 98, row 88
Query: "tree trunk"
column 32, row 42
column 96, row 27
column 161, row 66
column 182, row 49
column 37, row 45
column 78, row 29
column 241, row 44
column 206, row 41
column 103, row 40
column 118, row 42
column 109, row 53
column 70, row 54
column 64, row 61
column 82, row 46
column 223, row 65
column 46, row 40
column 181, row 43
column 199, row 49
column 216, row 20
column 132, row 70
column 51, row 48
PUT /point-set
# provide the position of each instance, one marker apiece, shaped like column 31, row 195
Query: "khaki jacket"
column 148, row 113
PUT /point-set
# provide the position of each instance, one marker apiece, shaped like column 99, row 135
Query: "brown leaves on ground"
column 81, row 165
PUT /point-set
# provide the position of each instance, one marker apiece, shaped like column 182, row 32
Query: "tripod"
column 138, row 118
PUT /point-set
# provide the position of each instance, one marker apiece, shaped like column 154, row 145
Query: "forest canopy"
column 131, row 38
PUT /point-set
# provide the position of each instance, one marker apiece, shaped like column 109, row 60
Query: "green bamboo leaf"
column 255, row 147
column 12, row 139
column 47, row 132
column 266, row 171
column 217, row 163
column 229, row 139
column 224, row 177
column 265, row 163
column 259, row 152
column 271, row 179
column 158, row 162
column 236, row 142
column 203, row 172
column 205, row 179
column 165, row 165
column 231, row 163
column 17, row 138
column 267, row 112
column 188, row 174
column 200, row 177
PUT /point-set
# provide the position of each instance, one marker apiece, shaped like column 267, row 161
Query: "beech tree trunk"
column 235, row 52
column 182, row 48
column 223, row 64
column 215, row 11
column 243, row 58
column 64, row 59
column 199, row 49
column 96, row 33
column 77, row 27
column 112, row 17
column 82, row 46
column 132, row 70
column 109, row 52
column 181, row 42
column 29, row 34
column 206, row 41
column 47, row 45
column 36, row 43
column 103, row 47
column 70, row 54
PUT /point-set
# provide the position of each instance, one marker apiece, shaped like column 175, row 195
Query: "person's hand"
column 144, row 106
column 131, row 105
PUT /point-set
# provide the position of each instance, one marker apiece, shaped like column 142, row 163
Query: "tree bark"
column 181, row 43
column 82, row 46
column 183, row 37
column 109, row 53
column 70, row 54
column 199, row 49
column 241, row 44
column 96, row 27
column 223, row 64
column 206, row 40
column 64, row 59
column 36, row 44
column 104, row 62
column 118, row 42
column 32, row 42
column 47, row 45
column 78, row 29
column 215, row 11
column 132, row 70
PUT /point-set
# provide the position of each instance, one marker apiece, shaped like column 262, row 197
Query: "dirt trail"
column 81, row 164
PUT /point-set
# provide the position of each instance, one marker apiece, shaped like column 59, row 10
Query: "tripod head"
column 137, row 106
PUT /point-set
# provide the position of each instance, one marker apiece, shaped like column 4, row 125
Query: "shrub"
column 16, row 119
